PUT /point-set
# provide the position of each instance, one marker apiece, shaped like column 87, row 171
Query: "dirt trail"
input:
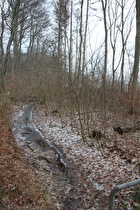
column 49, row 160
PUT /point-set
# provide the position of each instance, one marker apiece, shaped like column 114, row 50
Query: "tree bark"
column 137, row 48
column 81, row 38
column 85, row 38
column 104, row 8
column 136, row 59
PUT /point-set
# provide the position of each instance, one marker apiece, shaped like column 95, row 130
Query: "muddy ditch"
column 49, row 160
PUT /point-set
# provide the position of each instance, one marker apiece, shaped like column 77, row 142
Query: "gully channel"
column 69, row 192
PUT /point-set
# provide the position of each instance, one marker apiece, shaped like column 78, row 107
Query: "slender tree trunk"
column 104, row 8
column 123, row 46
column 15, row 46
column 76, row 48
column 76, row 100
column 59, row 41
column 85, row 38
column 2, row 52
column 13, row 34
column 113, row 16
column 70, row 48
column 136, row 58
column 7, row 55
column 81, row 39
column 1, row 36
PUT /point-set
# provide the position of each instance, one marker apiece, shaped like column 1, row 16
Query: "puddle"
column 26, row 134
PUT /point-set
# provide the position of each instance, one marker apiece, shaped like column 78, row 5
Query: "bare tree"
column 38, row 22
column 15, row 26
column 104, row 8
column 70, row 43
column 81, row 38
column 113, row 17
column 61, row 12
column 85, row 37
column 125, row 15
column 136, row 57
column 3, row 18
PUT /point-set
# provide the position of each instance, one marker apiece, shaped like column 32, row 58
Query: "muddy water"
column 28, row 135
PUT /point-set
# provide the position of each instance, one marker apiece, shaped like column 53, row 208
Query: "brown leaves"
column 18, row 185
column 96, row 173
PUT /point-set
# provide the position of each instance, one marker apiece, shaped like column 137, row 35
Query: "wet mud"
column 69, row 190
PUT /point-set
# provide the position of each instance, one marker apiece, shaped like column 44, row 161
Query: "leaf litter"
column 97, row 174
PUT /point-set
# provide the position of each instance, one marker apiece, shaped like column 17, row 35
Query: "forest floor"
column 26, row 181
column 98, row 171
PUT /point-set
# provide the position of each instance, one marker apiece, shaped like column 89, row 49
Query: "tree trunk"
column 104, row 8
column 2, row 52
column 81, row 39
column 85, row 38
column 137, row 55
column 123, row 46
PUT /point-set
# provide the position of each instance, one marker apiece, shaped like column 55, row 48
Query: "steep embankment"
column 19, row 187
